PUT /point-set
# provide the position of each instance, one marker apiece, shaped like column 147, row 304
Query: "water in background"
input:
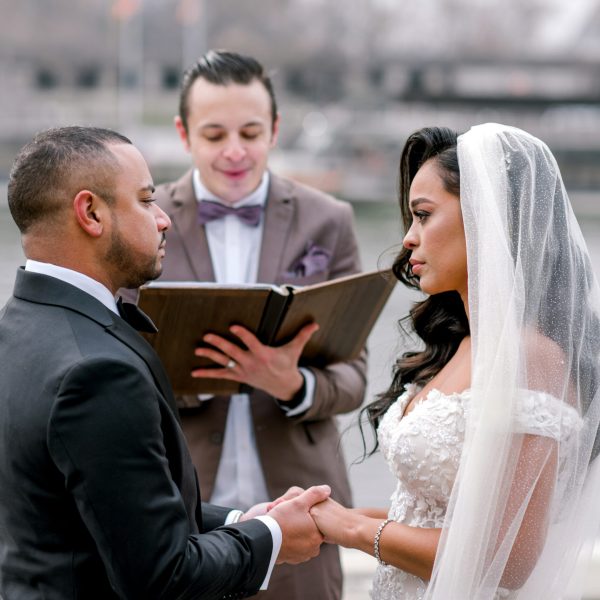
column 378, row 229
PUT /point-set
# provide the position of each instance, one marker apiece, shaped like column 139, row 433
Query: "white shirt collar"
column 79, row 280
column 258, row 196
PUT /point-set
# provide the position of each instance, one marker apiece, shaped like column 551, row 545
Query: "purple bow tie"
column 209, row 211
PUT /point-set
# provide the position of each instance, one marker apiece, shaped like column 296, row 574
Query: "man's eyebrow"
column 148, row 188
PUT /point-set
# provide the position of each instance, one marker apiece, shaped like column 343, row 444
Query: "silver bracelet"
column 376, row 542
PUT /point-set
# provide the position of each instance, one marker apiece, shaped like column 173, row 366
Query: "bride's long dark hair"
column 440, row 320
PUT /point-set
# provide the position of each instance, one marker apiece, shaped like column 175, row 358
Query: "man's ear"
column 275, row 131
column 182, row 132
column 90, row 212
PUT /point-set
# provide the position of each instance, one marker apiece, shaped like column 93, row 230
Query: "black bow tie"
column 137, row 318
column 210, row 211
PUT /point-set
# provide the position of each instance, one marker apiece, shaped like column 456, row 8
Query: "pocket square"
column 315, row 260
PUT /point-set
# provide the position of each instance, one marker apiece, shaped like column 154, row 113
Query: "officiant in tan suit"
column 234, row 221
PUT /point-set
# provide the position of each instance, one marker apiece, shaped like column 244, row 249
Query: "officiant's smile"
column 229, row 131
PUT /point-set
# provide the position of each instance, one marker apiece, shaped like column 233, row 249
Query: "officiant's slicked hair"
column 220, row 67
column 58, row 163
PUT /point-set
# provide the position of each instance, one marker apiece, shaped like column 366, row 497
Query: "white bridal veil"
column 526, row 504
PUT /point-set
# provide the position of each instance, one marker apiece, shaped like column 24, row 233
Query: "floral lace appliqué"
column 423, row 450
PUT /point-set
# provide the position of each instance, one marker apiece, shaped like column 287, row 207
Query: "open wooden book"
column 345, row 309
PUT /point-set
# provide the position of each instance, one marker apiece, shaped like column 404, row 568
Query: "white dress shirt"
column 103, row 294
column 75, row 278
column 235, row 252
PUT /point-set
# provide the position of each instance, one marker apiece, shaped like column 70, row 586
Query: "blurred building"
column 354, row 79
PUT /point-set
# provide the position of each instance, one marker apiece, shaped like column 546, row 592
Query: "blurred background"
column 353, row 80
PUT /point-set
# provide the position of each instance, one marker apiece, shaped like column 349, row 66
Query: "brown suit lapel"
column 279, row 212
column 193, row 235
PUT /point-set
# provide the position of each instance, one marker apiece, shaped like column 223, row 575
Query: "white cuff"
column 233, row 517
column 275, row 530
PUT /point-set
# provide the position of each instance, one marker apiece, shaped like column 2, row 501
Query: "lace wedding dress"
column 423, row 451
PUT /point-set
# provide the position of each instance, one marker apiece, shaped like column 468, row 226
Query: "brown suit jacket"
column 303, row 450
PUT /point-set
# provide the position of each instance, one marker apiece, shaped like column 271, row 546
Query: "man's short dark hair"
column 55, row 165
column 220, row 67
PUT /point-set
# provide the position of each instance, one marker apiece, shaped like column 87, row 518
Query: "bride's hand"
column 334, row 521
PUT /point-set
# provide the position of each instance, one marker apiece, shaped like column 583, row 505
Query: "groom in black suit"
column 98, row 495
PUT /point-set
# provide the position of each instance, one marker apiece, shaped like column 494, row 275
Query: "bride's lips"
column 416, row 266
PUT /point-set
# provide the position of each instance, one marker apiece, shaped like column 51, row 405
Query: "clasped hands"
column 275, row 370
column 268, row 368
column 302, row 515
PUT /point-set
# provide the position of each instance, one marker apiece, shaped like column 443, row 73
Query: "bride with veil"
column 490, row 424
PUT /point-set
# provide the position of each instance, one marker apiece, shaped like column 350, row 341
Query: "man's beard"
column 134, row 270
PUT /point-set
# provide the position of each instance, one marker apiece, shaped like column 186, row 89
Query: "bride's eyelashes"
column 421, row 216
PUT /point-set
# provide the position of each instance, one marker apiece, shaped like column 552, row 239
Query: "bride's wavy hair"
column 440, row 320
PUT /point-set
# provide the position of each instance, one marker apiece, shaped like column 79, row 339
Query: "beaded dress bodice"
column 423, row 450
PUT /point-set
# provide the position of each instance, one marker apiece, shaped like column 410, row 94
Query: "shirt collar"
column 79, row 280
column 258, row 196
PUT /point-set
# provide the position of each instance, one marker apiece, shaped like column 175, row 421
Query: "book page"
column 345, row 309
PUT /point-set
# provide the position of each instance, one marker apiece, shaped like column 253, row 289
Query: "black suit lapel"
column 43, row 289
column 129, row 336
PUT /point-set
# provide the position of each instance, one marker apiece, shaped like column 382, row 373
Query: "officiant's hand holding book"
column 272, row 369
column 345, row 310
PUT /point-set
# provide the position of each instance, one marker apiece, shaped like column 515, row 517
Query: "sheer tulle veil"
column 524, row 510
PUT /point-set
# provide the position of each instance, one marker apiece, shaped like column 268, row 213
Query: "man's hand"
column 258, row 510
column 301, row 538
column 274, row 370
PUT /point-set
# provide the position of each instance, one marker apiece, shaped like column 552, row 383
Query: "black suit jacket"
column 98, row 495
